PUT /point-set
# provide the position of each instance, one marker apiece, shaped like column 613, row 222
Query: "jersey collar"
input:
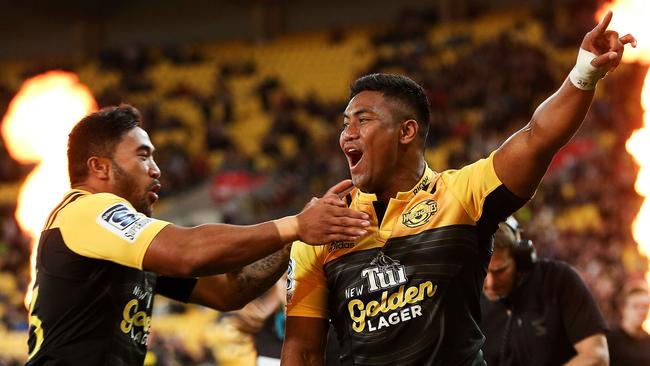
column 79, row 190
column 422, row 184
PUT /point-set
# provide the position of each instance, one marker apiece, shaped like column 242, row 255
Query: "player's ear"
column 408, row 131
column 98, row 167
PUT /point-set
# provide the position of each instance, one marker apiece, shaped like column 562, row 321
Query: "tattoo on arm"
column 259, row 276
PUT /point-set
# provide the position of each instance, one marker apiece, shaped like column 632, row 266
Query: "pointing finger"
column 604, row 23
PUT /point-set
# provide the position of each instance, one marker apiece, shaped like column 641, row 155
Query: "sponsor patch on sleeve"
column 123, row 221
column 291, row 279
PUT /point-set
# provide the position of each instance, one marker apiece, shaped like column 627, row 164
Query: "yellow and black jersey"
column 92, row 301
column 408, row 292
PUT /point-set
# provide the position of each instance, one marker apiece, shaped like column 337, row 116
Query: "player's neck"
column 404, row 179
column 85, row 187
column 93, row 186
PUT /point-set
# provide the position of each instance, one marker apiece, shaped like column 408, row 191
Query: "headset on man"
column 522, row 250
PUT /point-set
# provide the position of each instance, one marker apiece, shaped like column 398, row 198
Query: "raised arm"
column 304, row 342
column 522, row 160
column 219, row 248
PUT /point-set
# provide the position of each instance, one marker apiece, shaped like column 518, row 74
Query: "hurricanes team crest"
column 420, row 213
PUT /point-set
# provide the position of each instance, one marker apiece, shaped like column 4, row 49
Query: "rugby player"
column 101, row 257
column 408, row 292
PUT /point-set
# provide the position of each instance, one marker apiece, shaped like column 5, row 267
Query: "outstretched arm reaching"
column 520, row 163
column 218, row 248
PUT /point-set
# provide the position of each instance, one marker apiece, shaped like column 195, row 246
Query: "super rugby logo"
column 119, row 216
column 291, row 279
column 420, row 213
column 123, row 221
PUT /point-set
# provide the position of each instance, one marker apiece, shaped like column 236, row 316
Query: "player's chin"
column 146, row 206
column 360, row 182
column 151, row 197
column 147, row 210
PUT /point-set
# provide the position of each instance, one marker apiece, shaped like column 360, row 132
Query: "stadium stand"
column 271, row 113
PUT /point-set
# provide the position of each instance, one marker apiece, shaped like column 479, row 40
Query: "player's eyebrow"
column 145, row 148
column 357, row 112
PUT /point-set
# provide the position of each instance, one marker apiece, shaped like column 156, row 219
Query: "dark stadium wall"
column 76, row 28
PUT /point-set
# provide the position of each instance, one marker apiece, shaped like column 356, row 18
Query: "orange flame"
column 36, row 128
column 631, row 16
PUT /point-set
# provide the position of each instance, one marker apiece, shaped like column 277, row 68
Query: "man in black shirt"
column 537, row 312
column 630, row 344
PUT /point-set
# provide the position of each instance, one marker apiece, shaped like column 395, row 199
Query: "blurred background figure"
column 537, row 312
column 629, row 344
column 252, row 335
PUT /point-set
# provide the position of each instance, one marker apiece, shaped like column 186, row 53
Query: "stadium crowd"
column 482, row 84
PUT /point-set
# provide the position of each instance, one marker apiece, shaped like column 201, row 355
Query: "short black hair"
column 402, row 89
column 97, row 134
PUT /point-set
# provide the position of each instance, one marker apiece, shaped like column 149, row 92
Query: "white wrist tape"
column 583, row 75
column 287, row 228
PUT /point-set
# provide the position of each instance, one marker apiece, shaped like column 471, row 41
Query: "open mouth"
column 153, row 192
column 354, row 156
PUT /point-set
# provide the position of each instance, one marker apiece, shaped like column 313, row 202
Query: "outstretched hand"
column 606, row 44
column 328, row 219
